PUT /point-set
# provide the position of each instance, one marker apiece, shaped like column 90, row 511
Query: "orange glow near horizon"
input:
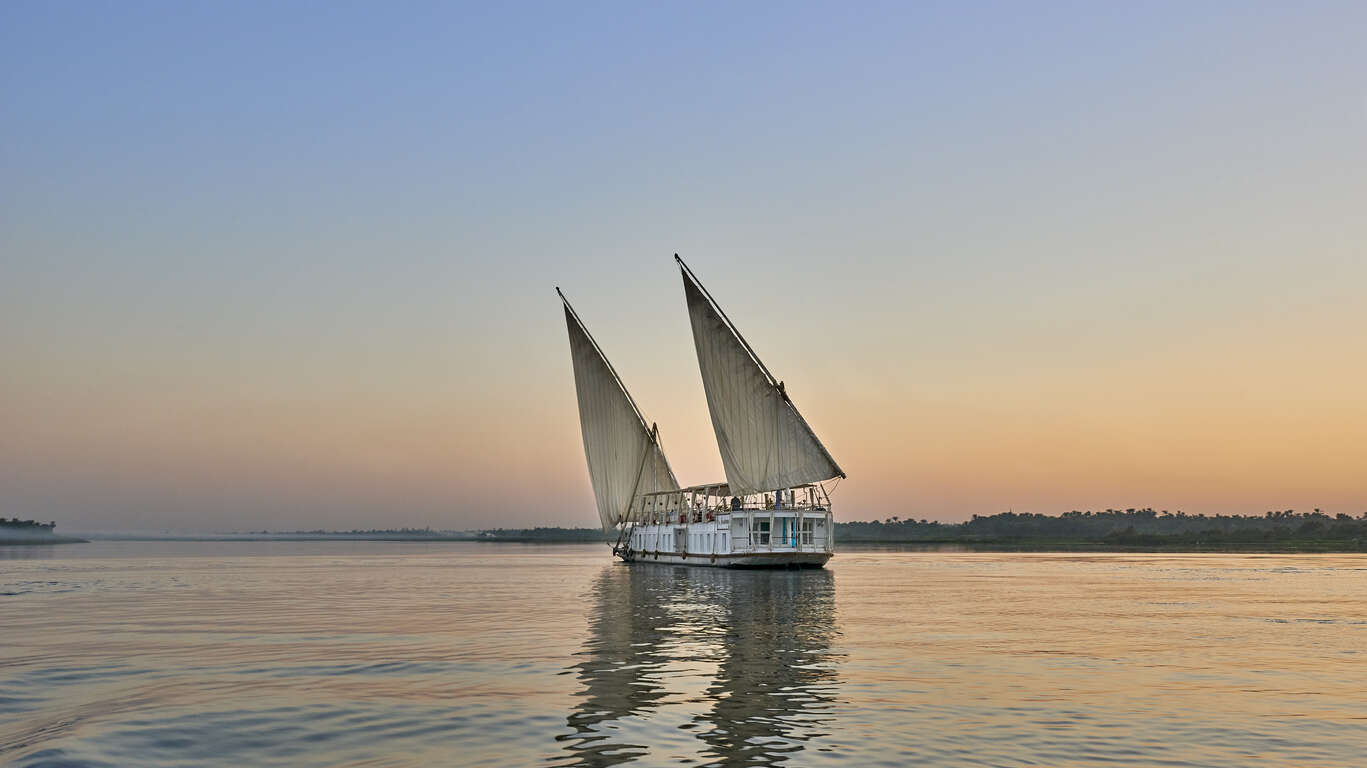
column 1191, row 431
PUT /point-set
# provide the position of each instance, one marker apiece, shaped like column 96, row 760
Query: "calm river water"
column 380, row 654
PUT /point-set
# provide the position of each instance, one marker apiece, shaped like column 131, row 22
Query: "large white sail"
column 765, row 443
column 623, row 452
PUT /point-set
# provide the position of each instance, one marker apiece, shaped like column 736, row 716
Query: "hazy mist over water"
column 408, row 654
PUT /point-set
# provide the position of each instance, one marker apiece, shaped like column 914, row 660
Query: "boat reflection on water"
column 621, row 663
column 716, row 666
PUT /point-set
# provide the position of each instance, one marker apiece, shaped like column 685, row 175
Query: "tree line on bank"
column 1144, row 527
column 1129, row 527
column 27, row 525
column 543, row 534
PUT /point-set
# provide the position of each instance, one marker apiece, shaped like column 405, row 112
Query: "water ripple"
column 510, row 656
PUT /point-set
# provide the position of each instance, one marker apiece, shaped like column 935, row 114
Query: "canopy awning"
column 713, row 489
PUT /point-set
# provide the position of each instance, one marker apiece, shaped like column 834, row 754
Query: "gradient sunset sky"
column 292, row 265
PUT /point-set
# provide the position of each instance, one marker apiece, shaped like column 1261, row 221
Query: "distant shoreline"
column 1082, row 545
column 36, row 541
column 227, row 537
column 847, row 544
column 1110, row 530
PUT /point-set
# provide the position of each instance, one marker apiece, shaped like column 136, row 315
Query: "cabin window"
column 759, row 531
column 807, row 531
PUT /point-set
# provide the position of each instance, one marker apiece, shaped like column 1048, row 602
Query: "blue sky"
column 294, row 262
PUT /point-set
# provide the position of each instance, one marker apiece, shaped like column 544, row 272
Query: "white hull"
column 779, row 538
column 753, row 560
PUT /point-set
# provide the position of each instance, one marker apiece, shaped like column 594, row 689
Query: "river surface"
column 396, row 654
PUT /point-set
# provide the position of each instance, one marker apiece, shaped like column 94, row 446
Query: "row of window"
column 701, row 543
column 785, row 533
column 641, row 541
column 705, row 542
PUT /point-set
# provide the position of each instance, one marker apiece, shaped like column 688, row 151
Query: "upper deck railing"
column 706, row 502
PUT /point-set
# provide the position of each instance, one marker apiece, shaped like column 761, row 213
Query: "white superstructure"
column 772, row 510
column 706, row 525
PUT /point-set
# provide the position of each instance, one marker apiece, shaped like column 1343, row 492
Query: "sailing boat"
column 773, row 510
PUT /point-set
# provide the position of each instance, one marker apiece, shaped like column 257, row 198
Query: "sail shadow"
column 761, row 641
